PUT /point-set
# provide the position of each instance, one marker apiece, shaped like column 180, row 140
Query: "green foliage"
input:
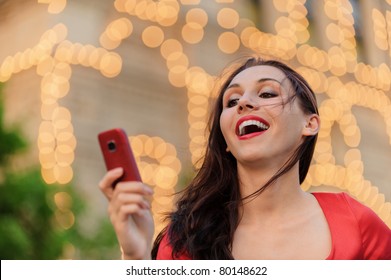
column 28, row 225
column 11, row 141
column 102, row 246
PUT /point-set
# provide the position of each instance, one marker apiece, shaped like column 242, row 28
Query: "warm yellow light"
column 63, row 174
column 110, row 65
column 119, row 29
column 380, row 29
column 299, row 12
column 227, row 18
column 151, row 11
column 246, row 34
column 45, row 65
column 334, row 34
column 63, row 201
column 177, row 76
column 197, row 15
column 54, row 56
column 160, row 150
column 95, row 57
column 283, row 23
column 57, row 6
column 167, row 12
column 66, row 137
column 192, row 33
column 197, row 80
column 63, row 53
column 190, row 2
column 170, row 46
column 65, row 219
column 337, row 61
column 129, row 6
column 242, row 24
column 61, row 32
column 63, row 70
column 284, row 5
column 228, row 42
column 352, row 155
column 177, row 59
column 82, row 55
column 47, row 158
column 108, row 43
column 119, row 5
column 199, row 100
column 173, row 162
column 165, row 177
column 153, row 36
column 331, row 9
column 140, row 9
column 302, row 35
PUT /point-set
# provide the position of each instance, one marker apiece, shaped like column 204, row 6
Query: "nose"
column 245, row 102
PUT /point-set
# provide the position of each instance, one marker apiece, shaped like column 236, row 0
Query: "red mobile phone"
column 117, row 152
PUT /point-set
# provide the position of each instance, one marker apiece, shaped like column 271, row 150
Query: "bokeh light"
column 327, row 70
column 162, row 173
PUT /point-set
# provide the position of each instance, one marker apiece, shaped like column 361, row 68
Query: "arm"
column 129, row 212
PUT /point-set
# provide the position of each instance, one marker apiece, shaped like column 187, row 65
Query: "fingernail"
column 117, row 170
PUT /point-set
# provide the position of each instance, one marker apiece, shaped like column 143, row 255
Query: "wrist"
column 136, row 256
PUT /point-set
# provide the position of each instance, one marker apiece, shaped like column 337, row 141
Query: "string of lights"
column 334, row 73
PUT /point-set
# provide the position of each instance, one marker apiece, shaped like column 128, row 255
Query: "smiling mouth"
column 251, row 126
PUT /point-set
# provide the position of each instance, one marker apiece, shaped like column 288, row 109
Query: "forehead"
column 256, row 73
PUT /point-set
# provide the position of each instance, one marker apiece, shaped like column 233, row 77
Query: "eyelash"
column 233, row 102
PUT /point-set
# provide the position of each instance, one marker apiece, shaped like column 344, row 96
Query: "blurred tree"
column 29, row 228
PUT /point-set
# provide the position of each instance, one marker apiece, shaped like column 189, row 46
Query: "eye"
column 267, row 95
column 232, row 102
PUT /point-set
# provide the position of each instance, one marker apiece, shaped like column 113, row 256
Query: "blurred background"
column 70, row 69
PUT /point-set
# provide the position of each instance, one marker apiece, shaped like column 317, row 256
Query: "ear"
column 312, row 125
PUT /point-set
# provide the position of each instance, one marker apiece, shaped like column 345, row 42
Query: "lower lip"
column 251, row 135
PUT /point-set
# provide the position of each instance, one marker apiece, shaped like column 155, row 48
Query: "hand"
column 129, row 212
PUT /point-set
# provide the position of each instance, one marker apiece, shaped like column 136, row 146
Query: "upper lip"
column 250, row 117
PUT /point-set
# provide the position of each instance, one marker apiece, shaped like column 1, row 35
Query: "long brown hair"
column 207, row 213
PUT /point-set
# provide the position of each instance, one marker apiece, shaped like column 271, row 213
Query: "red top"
column 357, row 233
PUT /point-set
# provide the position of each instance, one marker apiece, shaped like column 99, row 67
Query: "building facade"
column 75, row 68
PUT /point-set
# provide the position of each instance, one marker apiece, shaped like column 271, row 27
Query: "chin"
column 251, row 157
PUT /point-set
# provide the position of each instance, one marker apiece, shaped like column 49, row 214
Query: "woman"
column 246, row 201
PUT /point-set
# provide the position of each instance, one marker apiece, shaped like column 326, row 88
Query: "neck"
column 278, row 198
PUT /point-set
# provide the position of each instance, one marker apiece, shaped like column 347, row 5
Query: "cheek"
column 293, row 126
column 225, row 123
column 274, row 111
column 222, row 122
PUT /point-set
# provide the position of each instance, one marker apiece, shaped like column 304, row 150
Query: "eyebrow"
column 259, row 82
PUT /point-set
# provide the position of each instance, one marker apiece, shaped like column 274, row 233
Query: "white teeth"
column 251, row 122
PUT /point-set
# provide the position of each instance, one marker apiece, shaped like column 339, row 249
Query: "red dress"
column 357, row 233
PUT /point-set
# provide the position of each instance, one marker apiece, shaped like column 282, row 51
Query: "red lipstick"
column 250, row 126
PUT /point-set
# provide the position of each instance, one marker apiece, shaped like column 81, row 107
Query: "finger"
column 127, row 210
column 133, row 187
column 123, row 199
column 107, row 181
column 130, row 198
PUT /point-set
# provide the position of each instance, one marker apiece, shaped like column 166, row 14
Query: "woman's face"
column 262, row 123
